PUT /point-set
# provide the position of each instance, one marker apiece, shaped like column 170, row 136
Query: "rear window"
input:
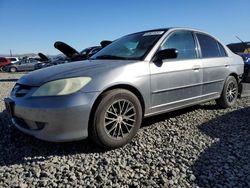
column 222, row 50
column 210, row 47
column 12, row 59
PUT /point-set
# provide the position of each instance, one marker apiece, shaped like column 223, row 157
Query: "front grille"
column 21, row 90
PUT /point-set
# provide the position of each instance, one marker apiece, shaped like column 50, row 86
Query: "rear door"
column 215, row 63
column 177, row 82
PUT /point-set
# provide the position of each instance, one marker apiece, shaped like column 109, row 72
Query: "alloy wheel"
column 119, row 118
column 231, row 93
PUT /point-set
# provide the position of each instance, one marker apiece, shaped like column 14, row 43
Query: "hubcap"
column 119, row 119
column 12, row 69
column 231, row 92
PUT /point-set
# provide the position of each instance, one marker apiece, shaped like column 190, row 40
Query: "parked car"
column 13, row 59
column 243, row 49
column 22, row 65
column 71, row 54
column 74, row 55
column 136, row 76
column 3, row 62
column 240, row 47
column 88, row 52
column 43, row 59
column 246, row 59
column 60, row 59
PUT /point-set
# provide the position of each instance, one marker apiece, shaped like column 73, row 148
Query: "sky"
column 32, row 26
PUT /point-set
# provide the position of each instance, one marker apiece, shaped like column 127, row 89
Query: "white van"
column 13, row 59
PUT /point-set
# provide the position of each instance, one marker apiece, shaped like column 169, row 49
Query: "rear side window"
column 222, row 50
column 183, row 41
column 11, row 59
column 32, row 61
column 210, row 47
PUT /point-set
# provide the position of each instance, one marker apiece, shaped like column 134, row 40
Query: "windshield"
column 86, row 51
column 130, row 47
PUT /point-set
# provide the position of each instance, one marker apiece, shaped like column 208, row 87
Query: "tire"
column 12, row 69
column 229, row 93
column 121, row 111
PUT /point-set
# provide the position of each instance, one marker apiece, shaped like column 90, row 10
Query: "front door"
column 177, row 82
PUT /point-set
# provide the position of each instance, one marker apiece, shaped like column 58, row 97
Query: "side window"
column 32, row 61
column 183, row 41
column 222, row 50
column 24, row 61
column 209, row 46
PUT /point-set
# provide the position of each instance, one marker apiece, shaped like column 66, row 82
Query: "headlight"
column 62, row 87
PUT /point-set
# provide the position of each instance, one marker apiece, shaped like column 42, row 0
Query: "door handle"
column 196, row 67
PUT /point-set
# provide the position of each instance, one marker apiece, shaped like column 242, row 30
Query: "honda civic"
column 136, row 76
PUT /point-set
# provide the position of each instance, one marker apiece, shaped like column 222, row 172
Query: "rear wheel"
column 229, row 94
column 13, row 69
column 117, row 119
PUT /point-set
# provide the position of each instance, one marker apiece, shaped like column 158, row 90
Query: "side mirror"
column 165, row 54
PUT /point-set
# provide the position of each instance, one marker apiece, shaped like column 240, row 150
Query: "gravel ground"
column 201, row 146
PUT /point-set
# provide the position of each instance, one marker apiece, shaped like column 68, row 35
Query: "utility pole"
column 10, row 53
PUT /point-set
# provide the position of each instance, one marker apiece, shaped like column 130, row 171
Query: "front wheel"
column 229, row 94
column 117, row 119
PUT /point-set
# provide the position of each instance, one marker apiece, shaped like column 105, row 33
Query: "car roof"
column 173, row 28
column 12, row 57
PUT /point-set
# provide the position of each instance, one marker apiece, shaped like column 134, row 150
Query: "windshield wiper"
column 109, row 57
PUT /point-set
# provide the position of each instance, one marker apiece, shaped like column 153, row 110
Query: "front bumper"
column 58, row 119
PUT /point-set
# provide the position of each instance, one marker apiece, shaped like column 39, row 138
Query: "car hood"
column 66, row 49
column 43, row 57
column 74, row 69
column 105, row 43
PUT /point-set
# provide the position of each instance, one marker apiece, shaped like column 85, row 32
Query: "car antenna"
column 246, row 46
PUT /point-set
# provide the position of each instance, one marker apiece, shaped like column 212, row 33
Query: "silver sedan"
column 136, row 76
